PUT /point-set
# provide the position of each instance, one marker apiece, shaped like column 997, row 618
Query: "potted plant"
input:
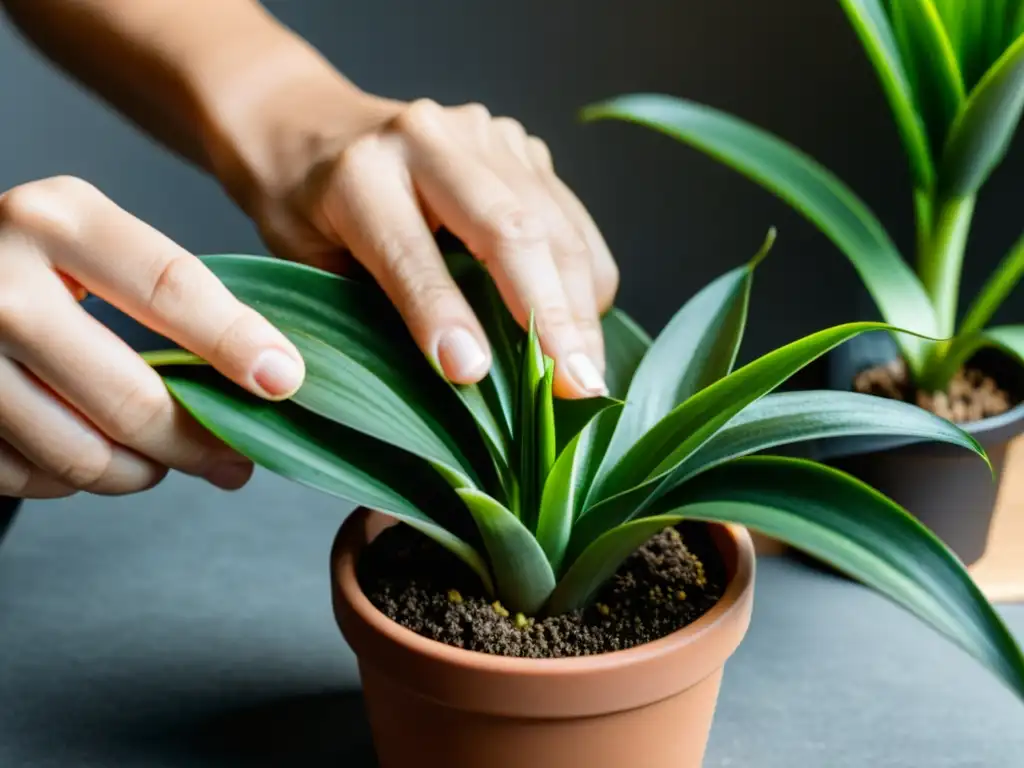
column 953, row 74
column 567, row 578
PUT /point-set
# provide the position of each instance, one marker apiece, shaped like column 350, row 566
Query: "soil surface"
column 971, row 395
column 660, row 588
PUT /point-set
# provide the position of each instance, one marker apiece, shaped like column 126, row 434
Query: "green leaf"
column 320, row 454
column 600, row 561
column 359, row 319
column 875, row 32
column 521, row 570
column 571, row 416
column 1003, row 280
column 531, row 373
column 809, row 188
column 564, row 491
column 697, row 348
column 497, row 391
column 981, row 134
column 690, row 424
column 860, row 532
column 931, row 64
column 1008, row 338
column 625, row 343
column 979, row 32
column 546, row 438
column 338, row 388
column 794, row 417
column 638, row 476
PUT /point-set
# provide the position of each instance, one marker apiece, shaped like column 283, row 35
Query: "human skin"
column 327, row 172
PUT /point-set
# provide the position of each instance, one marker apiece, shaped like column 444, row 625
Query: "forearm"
column 192, row 73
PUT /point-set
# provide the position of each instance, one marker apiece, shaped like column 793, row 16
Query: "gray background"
column 674, row 218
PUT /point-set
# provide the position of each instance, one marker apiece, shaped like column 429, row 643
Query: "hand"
column 79, row 409
column 373, row 179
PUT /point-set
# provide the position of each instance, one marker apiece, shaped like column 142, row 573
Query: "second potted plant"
column 544, row 582
column 953, row 74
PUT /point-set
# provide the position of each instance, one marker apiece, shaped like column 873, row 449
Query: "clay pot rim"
column 740, row 561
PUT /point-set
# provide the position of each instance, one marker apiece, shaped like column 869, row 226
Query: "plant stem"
column 940, row 262
column 1003, row 280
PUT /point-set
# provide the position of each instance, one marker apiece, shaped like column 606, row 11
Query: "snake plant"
column 953, row 74
column 544, row 498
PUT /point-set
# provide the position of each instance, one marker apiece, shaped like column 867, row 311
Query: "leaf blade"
column 981, row 134
column 636, row 479
column 931, row 65
column 1003, row 280
column 705, row 333
column 565, row 490
column 522, row 574
column 1007, row 338
column 871, row 25
column 785, row 418
column 301, row 447
column 805, row 185
column 862, row 533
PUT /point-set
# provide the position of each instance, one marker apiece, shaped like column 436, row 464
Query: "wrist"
column 273, row 112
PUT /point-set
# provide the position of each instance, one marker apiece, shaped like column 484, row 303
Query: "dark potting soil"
column 971, row 395
column 660, row 588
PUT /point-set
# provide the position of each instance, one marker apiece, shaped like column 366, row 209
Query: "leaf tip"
column 764, row 250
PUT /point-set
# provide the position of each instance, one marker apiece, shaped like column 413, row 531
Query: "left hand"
column 327, row 177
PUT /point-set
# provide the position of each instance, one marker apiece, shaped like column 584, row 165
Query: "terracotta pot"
column 432, row 705
column 947, row 488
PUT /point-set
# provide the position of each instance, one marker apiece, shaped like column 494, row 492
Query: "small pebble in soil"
column 660, row 588
column 970, row 396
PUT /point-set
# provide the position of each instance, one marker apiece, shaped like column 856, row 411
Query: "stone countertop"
column 189, row 627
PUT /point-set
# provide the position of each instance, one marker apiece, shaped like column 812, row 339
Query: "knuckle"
column 421, row 116
column 173, row 285
column 17, row 310
column 539, row 153
column 143, row 406
column 399, row 251
column 241, row 333
column 357, row 156
column 85, row 469
column 476, row 112
column 51, row 208
column 588, row 324
column 514, row 226
column 554, row 319
column 510, row 127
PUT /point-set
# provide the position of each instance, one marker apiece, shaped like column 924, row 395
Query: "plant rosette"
column 953, row 74
column 567, row 574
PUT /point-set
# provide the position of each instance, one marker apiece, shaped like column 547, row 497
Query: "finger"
column 149, row 277
column 604, row 271
column 481, row 209
column 103, row 378
column 570, row 251
column 21, row 479
column 62, row 444
column 373, row 207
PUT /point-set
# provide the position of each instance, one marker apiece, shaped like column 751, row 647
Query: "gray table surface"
column 189, row 627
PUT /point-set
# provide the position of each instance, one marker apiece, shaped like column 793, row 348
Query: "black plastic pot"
column 947, row 488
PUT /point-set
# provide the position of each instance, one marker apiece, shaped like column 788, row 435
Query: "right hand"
column 79, row 409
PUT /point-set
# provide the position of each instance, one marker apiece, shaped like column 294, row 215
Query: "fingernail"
column 230, row 476
column 583, row 370
column 277, row 373
column 461, row 356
